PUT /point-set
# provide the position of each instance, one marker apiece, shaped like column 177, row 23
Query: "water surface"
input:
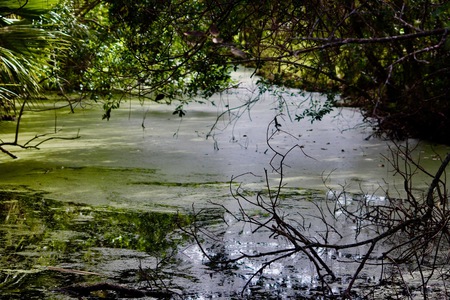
column 146, row 164
column 116, row 161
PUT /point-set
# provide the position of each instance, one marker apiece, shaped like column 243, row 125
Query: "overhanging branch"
column 330, row 43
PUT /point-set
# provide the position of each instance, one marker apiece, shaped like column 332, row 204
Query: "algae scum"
column 106, row 208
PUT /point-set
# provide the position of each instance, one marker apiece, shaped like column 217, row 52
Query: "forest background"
column 390, row 58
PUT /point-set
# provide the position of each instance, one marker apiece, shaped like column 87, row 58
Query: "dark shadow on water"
column 47, row 244
column 50, row 249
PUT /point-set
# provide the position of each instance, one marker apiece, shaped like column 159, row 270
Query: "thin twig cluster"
column 392, row 235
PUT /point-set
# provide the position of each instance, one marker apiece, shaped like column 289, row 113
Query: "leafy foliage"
column 26, row 50
column 390, row 58
column 182, row 61
column 317, row 110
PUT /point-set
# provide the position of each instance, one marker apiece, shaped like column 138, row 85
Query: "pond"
column 106, row 207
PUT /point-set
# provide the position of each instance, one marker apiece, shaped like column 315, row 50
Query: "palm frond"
column 26, row 9
column 27, row 39
column 26, row 50
column 17, row 75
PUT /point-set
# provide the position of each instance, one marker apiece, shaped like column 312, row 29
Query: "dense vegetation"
column 391, row 58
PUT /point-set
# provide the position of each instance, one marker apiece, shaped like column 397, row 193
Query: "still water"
column 106, row 202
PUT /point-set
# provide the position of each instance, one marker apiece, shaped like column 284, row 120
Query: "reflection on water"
column 271, row 268
column 46, row 245
column 42, row 238
column 118, row 187
column 293, row 276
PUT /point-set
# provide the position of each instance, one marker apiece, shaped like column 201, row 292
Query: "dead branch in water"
column 34, row 142
column 392, row 235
